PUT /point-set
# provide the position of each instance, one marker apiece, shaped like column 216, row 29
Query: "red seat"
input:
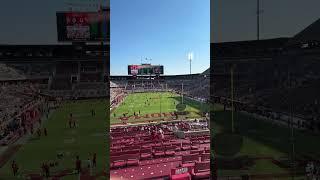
column 117, row 162
column 146, row 146
column 186, row 146
column 195, row 146
column 195, row 151
column 205, row 157
column 128, row 148
column 132, row 159
column 185, row 176
column 145, row 154
column 201, row 170
column 189, row 160
column 158, row 152
column 170, row 150
column 177, row 144
column 133, row 151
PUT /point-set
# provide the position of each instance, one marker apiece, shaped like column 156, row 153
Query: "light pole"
column 292, row 139
column 258, row 19
column 232, row 108
column 190, row 56
column 260, row 11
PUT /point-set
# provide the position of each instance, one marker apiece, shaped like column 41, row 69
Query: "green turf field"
column 88, row 138
column 154, row 102
column 264, row 139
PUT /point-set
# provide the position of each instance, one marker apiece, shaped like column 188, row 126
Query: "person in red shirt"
column 78, row 165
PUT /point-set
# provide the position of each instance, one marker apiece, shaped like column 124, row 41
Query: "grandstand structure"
column 165, row 146
column 191, row 85
column 65, row 71
column 268, row 77
column 270, row 87
column 69, row 71
column 37, row 79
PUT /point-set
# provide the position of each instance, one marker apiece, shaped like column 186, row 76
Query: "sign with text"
column 83, row 26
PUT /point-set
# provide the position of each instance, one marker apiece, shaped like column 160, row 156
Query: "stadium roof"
column 27, row 51
column 266, row 47
column 253, row 43
column 310, row 33
column 206, row 72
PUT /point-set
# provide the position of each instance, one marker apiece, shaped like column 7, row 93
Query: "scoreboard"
column 145, row 69
column 83, row 26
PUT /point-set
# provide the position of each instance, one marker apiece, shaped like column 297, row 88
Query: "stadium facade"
column 72, row 71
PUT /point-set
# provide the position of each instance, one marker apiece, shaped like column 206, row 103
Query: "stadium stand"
column 8, row 73
column 20, row 107
column 32, row 75
column 195, row 86
column 154, row 151
column 274, row 80
column 69, row 71
column 269, row 76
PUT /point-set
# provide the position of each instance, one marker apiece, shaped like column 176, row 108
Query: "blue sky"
column 235, row 20
column 163, row 30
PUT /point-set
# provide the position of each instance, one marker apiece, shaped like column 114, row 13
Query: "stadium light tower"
column 259, row 13
column 258, row 19
column 190, row 57
column 232, row 99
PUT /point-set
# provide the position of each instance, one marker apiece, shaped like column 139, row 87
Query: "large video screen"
column 145, row 69
column 83, row 26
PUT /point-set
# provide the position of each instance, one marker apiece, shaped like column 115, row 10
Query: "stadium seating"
column 170, row 150
column 137, row 148
column 201, row 170
column 189, row 160
column 145, row 154
column 9, row 73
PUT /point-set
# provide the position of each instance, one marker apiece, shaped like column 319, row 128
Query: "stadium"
column 266, row 102
column 53, row 106
column 159, row 125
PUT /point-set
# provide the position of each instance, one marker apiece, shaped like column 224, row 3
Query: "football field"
column 87, row 138
column 264, row 139
column 144, row 107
